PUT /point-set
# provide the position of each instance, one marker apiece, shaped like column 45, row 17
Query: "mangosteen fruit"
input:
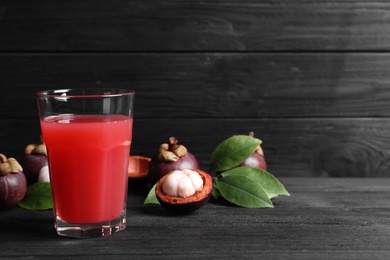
column 184, row 191
column 34, row 159
column 44, row 174
column 256, row 159
column 13, row 184
column 171, row 156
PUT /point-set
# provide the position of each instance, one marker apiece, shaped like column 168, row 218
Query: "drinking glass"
column 88, row 135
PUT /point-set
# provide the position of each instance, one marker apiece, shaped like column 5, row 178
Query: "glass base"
column 90, row 230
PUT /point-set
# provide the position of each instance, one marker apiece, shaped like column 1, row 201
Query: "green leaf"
column 243, row 192
column 270, row 184
column 232, row 151
column 152, row 198
column 215, row 192
column 37, row 197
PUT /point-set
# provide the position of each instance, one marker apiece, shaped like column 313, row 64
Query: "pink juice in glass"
column 95, row 192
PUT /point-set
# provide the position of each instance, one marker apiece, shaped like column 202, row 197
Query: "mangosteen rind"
column 189, row 204
column 13, row 188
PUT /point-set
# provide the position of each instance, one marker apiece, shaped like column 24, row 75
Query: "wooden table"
column 324, row 218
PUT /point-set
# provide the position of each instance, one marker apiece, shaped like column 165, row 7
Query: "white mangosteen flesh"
column 44, row 175
column 182, row 183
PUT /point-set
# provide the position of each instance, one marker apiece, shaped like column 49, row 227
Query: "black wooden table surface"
column 324, row 218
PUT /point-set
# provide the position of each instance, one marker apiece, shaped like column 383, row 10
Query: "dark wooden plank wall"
column 310, row 78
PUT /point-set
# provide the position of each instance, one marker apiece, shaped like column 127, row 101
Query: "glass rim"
column 85, row 92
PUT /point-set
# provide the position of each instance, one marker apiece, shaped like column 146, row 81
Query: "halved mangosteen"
column 184, row 191
column 138, row 171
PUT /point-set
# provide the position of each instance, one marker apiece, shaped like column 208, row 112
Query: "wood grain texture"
column 353, row 147
column 194, row 25
column 327, row 218
column 209, row 85
column 309, row 77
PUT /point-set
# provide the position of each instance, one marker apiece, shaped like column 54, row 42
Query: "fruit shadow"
column 157, row 210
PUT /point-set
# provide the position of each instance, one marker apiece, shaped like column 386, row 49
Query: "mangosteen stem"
column 179, row 150
column 3, row 158
column 167, row 156
column 172, row 143
column 9, row 165
column 5, row 168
